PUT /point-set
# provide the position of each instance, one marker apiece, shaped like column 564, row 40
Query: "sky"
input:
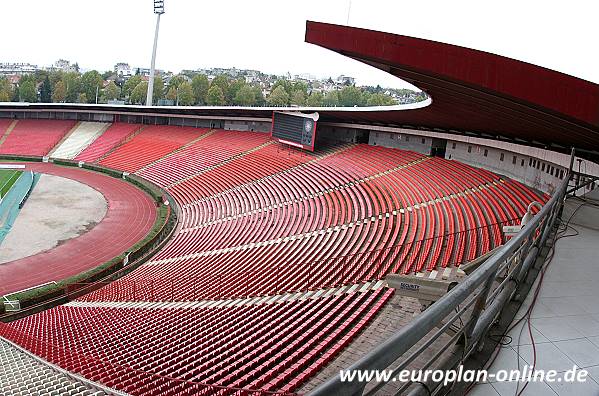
column 269, row 35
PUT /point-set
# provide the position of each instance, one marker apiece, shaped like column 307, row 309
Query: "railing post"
column 479, row 306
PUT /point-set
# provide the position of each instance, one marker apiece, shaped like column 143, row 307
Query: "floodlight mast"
column 158, row 10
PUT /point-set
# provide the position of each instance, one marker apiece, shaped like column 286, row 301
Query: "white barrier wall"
column 80, row 138
column 419, row 144
column 542, row 175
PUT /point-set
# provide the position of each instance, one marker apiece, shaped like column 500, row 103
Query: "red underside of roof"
column 473, row 90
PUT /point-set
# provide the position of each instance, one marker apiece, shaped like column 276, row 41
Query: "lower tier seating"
column 21, row 374
column 149, row 351
column 35, row 137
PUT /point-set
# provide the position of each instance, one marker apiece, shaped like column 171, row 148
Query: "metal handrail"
column 534, row 233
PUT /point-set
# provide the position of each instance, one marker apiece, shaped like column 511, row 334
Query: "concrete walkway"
column 565, row 318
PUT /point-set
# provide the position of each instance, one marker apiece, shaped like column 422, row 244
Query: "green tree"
column 298, row 98
column 245, row 96
column 28, row 91
column 286, row 84
column 60, row 93
column 55, row 77
column 351, row 96
column 46, row 91
column 111, row 92
column 215, row 96
column 130, row 85
column 199, row 84
column 72, row 82
column 158, row 90
column 232, row 90
column 5, row 90
column 380, row 99
column 186, row 97
column 316, row 99
column 175, row 82
column 138, row 95
column 91, row 83
column 82, row 98
column 278, row 97
column 171, row 94
column 259, row 96
column 299, row 86
column 221, row 81
column 16, row 95
column 331, row 99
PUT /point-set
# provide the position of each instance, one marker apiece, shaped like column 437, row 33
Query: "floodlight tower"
column 158, row 10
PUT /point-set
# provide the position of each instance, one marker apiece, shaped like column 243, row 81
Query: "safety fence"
column 452, row 329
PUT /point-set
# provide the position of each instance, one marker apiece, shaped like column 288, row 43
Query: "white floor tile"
column 556, row 329
column 549, row 357
column 585, row 324
column 506, row 388
column 594, row 340
column 562, row 306
column 583, row 352
column 483, row 390
column 593, row 372
column 523, row 337
column 506, row 360
column 587, row 388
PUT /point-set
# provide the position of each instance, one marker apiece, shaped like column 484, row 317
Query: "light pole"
column 158, row 10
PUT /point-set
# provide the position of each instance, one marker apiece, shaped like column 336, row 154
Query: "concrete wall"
column 420, row 144
column 254, row 126
column 542, row 175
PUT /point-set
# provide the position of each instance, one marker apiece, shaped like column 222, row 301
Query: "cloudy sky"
column 269, row 35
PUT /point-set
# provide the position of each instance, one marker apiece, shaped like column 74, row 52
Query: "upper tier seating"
column 271, row 222
column 79, row 139
column 111, row 138
column 151, row 144
column 216, row 147
column 35, row 137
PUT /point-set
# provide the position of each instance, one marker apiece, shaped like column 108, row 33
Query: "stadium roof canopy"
column 473, row 93
column 473, row 90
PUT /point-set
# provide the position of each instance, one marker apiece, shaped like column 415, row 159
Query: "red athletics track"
column 129, row 217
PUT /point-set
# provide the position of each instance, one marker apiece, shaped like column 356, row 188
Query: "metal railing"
column 459, row 320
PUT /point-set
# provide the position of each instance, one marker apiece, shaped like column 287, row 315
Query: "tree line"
column 183, row 90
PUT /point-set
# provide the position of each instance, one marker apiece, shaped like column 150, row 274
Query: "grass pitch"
column 8, row 177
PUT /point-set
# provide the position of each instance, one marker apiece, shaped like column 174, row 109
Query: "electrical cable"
column 560, row 234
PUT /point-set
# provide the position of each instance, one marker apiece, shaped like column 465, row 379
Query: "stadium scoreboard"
column 294, row 129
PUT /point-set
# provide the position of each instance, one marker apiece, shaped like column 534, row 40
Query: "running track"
column 129, row 217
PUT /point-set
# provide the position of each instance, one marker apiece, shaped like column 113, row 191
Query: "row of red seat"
column 293, row 230
column 269, row 346
column 218, row 146
column 151, row 144
column 35, row 137
column 114, row 136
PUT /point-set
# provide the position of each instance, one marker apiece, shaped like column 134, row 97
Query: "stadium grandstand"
column 230, row 261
